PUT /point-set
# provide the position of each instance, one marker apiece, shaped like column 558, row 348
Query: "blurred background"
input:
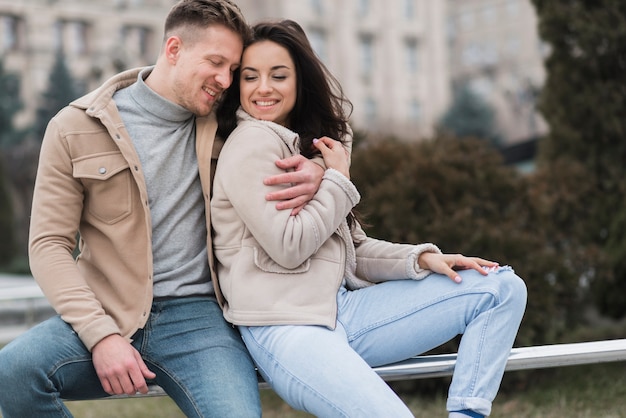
column 491, row 127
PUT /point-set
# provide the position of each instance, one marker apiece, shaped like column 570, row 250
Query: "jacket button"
column 102, row 170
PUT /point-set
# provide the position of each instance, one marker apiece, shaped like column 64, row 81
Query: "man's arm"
column 56, row 213
column 305, row 177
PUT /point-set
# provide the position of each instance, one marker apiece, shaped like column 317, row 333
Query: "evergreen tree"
column 470, row 116
column 583, row 158
column 10, row 104
column 61, row 90
column 460, row 196
column 7, row 243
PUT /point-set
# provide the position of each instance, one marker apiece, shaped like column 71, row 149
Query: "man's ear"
column 173, row 46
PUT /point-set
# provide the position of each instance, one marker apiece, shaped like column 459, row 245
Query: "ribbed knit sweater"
column 164, row 137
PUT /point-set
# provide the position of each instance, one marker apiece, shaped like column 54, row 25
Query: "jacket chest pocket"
column 108, row 186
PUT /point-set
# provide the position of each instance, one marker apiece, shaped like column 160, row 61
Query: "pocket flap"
column 100, row 166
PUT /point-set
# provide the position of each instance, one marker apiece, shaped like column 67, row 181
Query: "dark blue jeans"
column 199, row 360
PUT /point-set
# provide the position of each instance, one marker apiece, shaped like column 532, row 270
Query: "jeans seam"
column 353, row 336
column 177, row 382
column 147, row 358
column 497, row 301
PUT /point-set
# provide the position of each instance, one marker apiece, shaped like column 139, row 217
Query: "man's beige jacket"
column 90, row 180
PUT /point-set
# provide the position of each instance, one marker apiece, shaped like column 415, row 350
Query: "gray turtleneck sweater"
column 164, row 136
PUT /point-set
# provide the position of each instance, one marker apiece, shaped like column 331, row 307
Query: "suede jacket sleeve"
column 247, row 158
column 379, row 261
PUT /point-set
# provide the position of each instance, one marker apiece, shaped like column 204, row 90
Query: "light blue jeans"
column 328, row 372
column 199, row 360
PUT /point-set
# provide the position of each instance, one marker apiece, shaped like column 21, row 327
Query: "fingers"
column 297, row 210
column 335, row 155
column 139, row 375
column 292, row 162
column 125, row 381
column 477, row 264
column 325, row 143
column 461, row 262
column 292, row 197
column 453, row 275
column 128, row 381
column 303, row 183
column 119, row 366
column 449, row 264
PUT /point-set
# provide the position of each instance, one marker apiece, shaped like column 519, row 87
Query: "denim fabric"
column 328, row 372
column 199, row 360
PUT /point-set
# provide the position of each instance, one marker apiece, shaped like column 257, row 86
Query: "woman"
column 318, row 303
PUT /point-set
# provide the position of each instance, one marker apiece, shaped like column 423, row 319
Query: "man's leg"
column 42, row 366
column 200, row 359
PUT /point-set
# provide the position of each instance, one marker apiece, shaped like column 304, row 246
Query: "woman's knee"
column 512, row 287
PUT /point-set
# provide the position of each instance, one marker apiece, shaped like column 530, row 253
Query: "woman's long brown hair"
column 321, row 109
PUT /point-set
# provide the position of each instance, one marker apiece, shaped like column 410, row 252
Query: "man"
column 128, row 167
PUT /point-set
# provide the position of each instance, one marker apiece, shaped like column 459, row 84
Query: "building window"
column 415, row 111
column 317, row 37
column 411, row 55
column 371, row 112
column 512, row 7
column 317, row 7
column 137, row 40
column 9, row 37
column 363, row 7
column 72, row 36
column 480, row 55
column 467, row 19
column 409, row 9
column 512, row 46
column 366, row 47
column 489, row 15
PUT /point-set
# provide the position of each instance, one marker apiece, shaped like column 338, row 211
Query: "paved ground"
column 17, row 315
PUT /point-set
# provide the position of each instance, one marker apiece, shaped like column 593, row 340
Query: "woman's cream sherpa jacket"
column 275, row 268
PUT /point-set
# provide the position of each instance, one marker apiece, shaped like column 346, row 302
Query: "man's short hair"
column 187, row 15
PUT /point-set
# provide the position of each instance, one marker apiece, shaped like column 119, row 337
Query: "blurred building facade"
column 495, row 49
column 98, row 38
column 390, row 56
column 397, row 60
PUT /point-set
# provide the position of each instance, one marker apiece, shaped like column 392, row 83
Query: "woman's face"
column 268, row 82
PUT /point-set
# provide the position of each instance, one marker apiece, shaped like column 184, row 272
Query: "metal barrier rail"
column 30, row 293
column 521, row 358
column 436, row 365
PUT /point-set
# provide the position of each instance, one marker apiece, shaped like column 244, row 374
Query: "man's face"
column 204, row 69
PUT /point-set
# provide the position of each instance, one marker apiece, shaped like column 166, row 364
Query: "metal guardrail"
column 29, row 292
column 428, row 366
column 30, row 295
column 521, row 358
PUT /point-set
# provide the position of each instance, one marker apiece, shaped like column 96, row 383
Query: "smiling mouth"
column 264, row 103
column 211, row 93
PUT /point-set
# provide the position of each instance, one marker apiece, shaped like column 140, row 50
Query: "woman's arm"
column 247, row 159
column 307, row 176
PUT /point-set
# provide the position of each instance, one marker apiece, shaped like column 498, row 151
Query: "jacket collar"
column 97, row 100
column 289, row 137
